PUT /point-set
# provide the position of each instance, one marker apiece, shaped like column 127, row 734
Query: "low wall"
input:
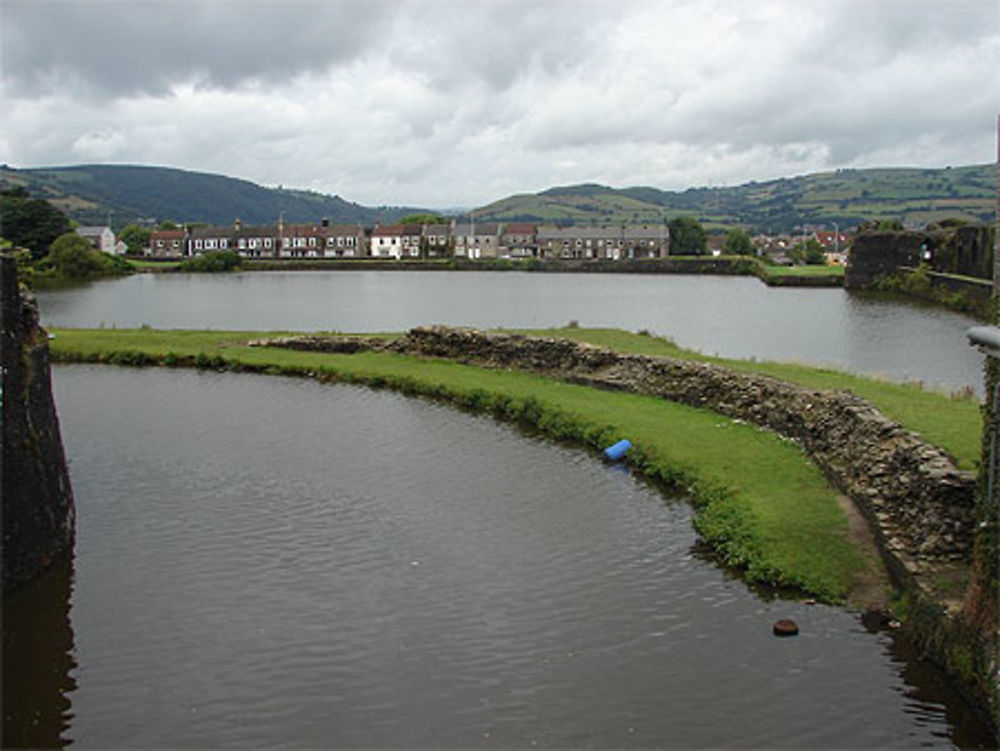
column 919, row 504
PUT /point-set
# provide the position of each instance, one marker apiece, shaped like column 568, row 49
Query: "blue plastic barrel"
column 616, row 452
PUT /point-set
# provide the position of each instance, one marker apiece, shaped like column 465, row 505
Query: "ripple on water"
column 263, row 561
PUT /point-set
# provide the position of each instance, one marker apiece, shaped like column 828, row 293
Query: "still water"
column 264, row 561
column 730, row 316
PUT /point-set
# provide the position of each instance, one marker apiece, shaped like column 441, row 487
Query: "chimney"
column 326, row 221
column 237, row 225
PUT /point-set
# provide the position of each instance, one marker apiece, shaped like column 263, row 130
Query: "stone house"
column 437, row 240
column 254, row 242
column 396, row 241
column 647, row 241
column 517, row 240
column 302, row 240
column 206, row 239
column 344, row 240
column 167, row 243
column 476, row 239
column 580, row 242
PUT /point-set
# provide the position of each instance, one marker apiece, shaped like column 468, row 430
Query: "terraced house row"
column 464, row 240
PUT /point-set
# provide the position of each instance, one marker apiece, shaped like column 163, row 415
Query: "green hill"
column 845, row 197
column 91, row 194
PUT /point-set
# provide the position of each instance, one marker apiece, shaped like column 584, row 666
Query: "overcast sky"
column 447, row 103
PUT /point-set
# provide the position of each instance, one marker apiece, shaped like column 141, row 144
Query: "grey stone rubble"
column 919, row 504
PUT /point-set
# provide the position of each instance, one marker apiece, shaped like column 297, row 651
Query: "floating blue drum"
column 616, row 452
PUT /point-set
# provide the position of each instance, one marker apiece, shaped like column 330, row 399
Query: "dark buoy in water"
column 618, row 450
column 785, row 628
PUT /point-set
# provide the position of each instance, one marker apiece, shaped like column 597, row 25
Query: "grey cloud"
column 443, row 101
column 461, row 43
column 129, row 47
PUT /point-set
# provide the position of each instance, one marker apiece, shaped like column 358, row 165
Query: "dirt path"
column 870, row 591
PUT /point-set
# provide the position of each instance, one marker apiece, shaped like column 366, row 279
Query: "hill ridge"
column 844, row 197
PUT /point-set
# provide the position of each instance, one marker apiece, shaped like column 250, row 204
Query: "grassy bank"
column 800, row 276
column 952, row 422
column 762, row 505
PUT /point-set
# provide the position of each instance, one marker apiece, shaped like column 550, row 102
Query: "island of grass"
column 761, row 503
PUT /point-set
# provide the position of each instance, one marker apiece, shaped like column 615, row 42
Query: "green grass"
column 950, row 422
column 140, row 264
column 836, row 271
column 762, row 504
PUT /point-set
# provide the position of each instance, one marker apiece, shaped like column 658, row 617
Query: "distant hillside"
column 91, row 193
column 845, row 197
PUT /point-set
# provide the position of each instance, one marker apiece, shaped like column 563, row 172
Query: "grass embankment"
column 952, row 422
column 144, row 265
column 762, row 504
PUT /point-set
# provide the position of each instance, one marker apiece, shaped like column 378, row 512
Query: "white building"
column 101, row 238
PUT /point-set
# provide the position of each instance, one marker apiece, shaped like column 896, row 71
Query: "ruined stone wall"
column 964, row 250
column 38, row 512
column 876, row 254
column 967, row 251
column 919, row 503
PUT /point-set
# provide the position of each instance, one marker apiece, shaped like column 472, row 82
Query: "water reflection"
column 38, row 660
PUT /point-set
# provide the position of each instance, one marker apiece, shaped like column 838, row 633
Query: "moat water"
column 730, row 316
column 265, row 561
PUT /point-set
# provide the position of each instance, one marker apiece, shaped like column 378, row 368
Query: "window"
column 197, row 244
column 312, row 242
column 159, row 243
column 223, row 243
column 267, row 242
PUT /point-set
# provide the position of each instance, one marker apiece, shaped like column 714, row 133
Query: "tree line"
column 44, row 243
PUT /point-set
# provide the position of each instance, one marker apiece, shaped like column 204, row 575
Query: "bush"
column 213, row 261
column 72, row 257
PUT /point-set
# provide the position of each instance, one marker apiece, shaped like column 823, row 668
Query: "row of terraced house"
column 455, row 239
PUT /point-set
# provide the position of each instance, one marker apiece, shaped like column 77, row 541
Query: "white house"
column 101, row 238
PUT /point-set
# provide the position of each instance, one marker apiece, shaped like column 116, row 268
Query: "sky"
column 457, row 103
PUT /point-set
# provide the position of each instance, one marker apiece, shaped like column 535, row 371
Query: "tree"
column 687, row 237
column 738, row 243
column 166, row 224
column 213, row 261
column 135, row 238
column 30, row 223
column 810, row 253
column 72, row 257
column 424, row 219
